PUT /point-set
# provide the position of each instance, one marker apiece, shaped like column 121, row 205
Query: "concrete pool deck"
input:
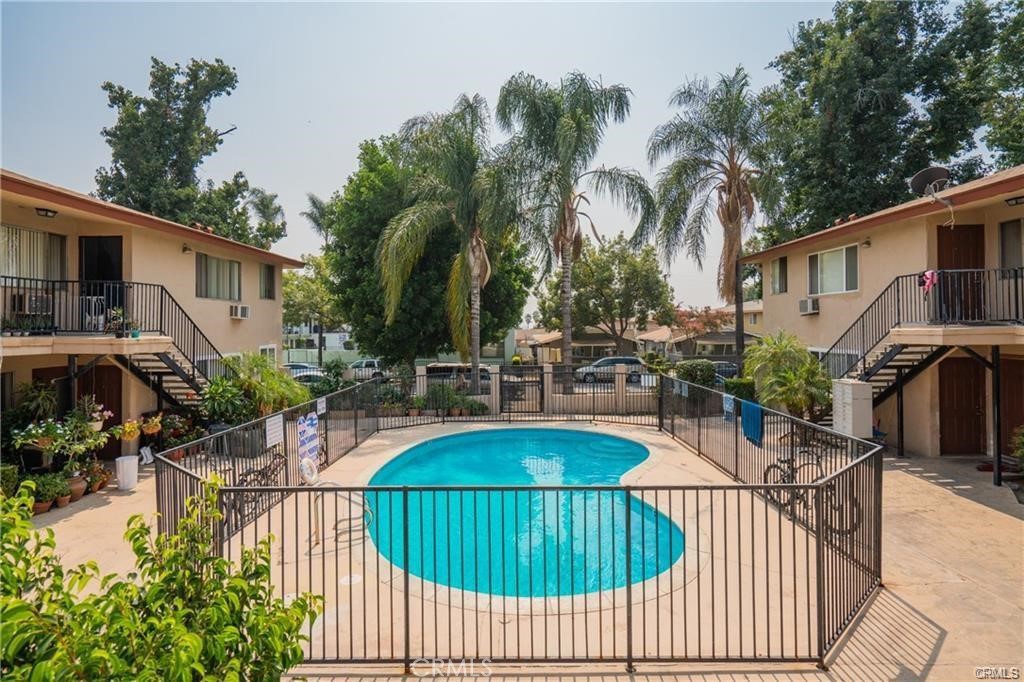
column 953, row 569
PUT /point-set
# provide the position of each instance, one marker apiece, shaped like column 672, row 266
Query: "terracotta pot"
column 95, row 487
column 78, row 487
column 41, row 507
column 414, row 412
column 63, row 501
column 176, row 455
column 454, row 411
column 44, row 442
column 150, row 430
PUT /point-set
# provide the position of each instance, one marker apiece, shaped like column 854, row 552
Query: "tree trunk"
column 740, row 339
column 567, row 304
column 474, row 333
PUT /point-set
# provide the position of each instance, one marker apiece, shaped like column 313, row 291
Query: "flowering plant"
column 128, row 430
column 151, row 424
column 90, row 410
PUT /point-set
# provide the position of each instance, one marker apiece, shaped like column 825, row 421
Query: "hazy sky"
column 316, row 79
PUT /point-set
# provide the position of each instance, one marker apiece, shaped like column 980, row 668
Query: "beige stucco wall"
column 897, row 248
column 156, row 257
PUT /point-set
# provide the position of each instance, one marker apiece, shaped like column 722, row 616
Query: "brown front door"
column 961, row 295
column 103, row 381
column 961, row 407
column 1011, row 402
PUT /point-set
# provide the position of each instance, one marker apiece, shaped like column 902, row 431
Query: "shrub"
column 225, row 403
column 185, row 613
column 8, row 479
column 46, row 487
column 263, row 384
column 388, row 394
column 742, row 388
column 700, row 372
column 475, row 407
column 441, row 397
column 1018, row 445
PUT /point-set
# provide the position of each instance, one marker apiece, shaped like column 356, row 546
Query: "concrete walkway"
column 952, row 606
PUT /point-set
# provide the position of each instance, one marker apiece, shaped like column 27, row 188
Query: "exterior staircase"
column 94, row 308
column 867, row 352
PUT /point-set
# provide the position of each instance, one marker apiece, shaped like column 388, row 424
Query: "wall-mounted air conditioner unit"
column 238, row 312
column 809, row 306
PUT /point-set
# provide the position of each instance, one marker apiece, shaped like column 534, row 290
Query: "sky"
column 317, row 79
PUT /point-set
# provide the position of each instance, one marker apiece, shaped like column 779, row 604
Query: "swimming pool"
column 523, row 539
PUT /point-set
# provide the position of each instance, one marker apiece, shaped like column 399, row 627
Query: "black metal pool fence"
column 772, row 567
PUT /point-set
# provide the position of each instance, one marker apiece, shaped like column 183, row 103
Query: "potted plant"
column 134, row 331
column 44, row 493
column 92, row 412
column 7, row 327
column 127, row 431
column 151, row 425
column 62, row 489
column 97, row 476
column 38, row 400
column 224, row 404
column 76, row 482
column 115, row 322
column 417, row 404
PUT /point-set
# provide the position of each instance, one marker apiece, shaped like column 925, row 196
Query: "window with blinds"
column 218, row 278
column 32, row 253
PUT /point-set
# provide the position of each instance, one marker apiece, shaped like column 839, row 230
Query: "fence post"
column 819, row 562
column 736, row 416
column 630, row 668
column 405, row 577
column 661, row 402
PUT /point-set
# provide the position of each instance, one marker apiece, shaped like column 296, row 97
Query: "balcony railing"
column 42, row 307
column 940, row 297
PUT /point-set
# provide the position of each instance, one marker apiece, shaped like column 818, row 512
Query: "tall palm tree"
column 270, row 222
column 558, row 130
column 714, row 144
column 457, row 188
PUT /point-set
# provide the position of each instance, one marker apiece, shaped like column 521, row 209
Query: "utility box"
column 852, row 408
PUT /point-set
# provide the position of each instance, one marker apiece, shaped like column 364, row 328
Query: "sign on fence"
column 275, row 430
column 309, row 437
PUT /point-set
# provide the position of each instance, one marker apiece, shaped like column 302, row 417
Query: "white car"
column 604, row 370
column 371, row 368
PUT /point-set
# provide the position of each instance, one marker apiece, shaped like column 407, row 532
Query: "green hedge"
column 9, row 479
column 741, row 388
column 700, row 372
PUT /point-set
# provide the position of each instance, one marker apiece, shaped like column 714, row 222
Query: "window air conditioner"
column 809, row 306
column 238, row 312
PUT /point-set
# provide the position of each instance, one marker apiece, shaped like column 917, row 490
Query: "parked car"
column 604, row 370
column 370, row 368
column 307, row 376
column 295, row 367
column 457, row 375
column 724, row 370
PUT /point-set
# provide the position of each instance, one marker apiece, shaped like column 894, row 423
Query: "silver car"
column 604, row 370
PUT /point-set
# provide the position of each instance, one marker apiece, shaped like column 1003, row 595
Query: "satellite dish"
column 308, row 471
column 929, row 181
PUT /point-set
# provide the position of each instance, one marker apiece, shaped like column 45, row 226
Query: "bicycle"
column 842, row 513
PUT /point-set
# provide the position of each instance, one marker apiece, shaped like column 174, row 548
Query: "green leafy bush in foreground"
column 183, row 614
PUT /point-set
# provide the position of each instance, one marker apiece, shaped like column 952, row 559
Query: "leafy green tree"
column 558, row 130
column 1004, row 112
column 185, row 612
column 871, row 96
column 357, row 218
column 158, row 143
column 307, row 298
column 454, row 190
column 615, row 288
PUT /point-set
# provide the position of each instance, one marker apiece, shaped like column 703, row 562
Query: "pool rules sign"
column 309, row 438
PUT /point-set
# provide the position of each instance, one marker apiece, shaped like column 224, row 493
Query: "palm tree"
column 317, row 215
column 714, row 144
column 458, row 188
column 558, row 130
column 270, row 222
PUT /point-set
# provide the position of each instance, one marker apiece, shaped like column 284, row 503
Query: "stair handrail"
column 998, row 299
column 199, row 340
column 837, row 359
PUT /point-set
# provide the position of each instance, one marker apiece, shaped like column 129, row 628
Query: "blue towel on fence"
column 753, row 422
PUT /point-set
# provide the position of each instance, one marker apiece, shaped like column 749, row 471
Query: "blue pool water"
column 521, row 540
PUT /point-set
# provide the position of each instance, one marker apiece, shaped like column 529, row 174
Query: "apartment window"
column 269, row 352
column 752, row 318
column 267, row 283
column 32, row 253
column 780, row 275
column 1011, row 244
column 218, row 278
column 832, row 272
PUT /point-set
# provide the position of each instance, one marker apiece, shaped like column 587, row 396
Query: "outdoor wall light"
column 867, row 243
column 43, row 212
column 1012, row 201
column 185, row 248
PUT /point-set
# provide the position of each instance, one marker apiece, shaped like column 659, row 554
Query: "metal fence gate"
column 522, row 389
